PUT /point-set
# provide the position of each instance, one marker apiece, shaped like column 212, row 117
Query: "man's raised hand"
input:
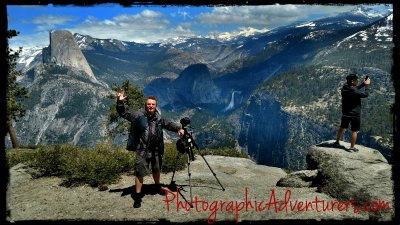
column 121, row 95
column 367, row 82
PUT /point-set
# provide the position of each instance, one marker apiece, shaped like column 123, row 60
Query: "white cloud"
column 146, row 26
column 48, row 22
column 39, row 39
column 152, row 26
column 266, row 15
column 184, row 14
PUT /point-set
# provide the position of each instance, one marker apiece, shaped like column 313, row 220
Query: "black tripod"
column 186, row 145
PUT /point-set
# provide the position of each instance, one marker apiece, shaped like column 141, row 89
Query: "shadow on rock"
column 331, row 145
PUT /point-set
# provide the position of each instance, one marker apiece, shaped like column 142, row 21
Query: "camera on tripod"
column 186, row 143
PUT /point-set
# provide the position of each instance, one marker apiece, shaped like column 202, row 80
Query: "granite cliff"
column 275, row 137
column 67, row 104
column 64, row 51
column 193, row 87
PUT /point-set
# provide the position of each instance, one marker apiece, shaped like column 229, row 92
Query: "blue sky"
column 146, row 24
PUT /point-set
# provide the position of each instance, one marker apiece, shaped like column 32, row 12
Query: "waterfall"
column 232, row 102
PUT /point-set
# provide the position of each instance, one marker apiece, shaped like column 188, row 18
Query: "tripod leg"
column 215, row 175
column 190, row 184
column 173, row 174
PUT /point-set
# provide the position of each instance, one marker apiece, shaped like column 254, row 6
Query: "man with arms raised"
column 146, row 138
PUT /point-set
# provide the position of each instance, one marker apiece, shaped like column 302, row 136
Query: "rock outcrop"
column 66, row 106
column 64, row 51
column 194, row 87
column 303, row 178
column 363, row 177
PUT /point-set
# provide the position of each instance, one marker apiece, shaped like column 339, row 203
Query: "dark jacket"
column 146, row 133
column 351, row 99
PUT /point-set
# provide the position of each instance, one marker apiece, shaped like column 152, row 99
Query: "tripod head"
column 186, row 143
column 185, row 121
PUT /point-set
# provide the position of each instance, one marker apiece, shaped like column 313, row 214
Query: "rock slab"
column 364, row 176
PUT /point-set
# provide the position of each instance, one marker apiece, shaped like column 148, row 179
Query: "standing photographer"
column 351, row 108
column 146, row 138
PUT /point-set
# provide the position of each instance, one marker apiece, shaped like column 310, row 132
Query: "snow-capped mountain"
column 381, row 33
column 114, row 60
column 368, row 12
column 236, row 35
column 86, row 42
column 228, row 56
column 29, row 58
column 375, row 39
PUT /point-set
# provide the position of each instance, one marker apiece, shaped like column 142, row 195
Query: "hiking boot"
column 159, row 189
column 336, row 144
column 352, row 149
column 137, row 200
column 137, row 203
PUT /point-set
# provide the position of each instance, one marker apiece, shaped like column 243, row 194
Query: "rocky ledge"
column 334, row 188
column 363, row 178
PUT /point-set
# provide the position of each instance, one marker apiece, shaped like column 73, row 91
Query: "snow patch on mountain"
column 382, row 31
column 242, row 32
column 309, row 24
column 352, row 22
column 174, row 41
column 314, row 35
column 367, row 12
column 27, row 56
column 363, row 35
column 82, row 41
column 219, row 36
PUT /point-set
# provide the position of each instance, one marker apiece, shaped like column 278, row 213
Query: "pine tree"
column 134, row 101
column 15, row 93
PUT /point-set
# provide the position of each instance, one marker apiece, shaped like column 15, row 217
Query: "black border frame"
column 4, row 173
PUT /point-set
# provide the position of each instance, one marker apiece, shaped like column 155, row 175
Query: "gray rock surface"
column 64, row 107
column 19, row 175
column 64, row 51
column 302, row 178
column 364, row 176
column 67, row 103
column 194, row 86
column 245, row 183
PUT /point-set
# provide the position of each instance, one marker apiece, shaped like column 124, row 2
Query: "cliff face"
column 277, row 138
column 193, row 87
column 64, row 51
column 264, row 129
column 196, row 86
column 365, row 176
column 66, row 106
